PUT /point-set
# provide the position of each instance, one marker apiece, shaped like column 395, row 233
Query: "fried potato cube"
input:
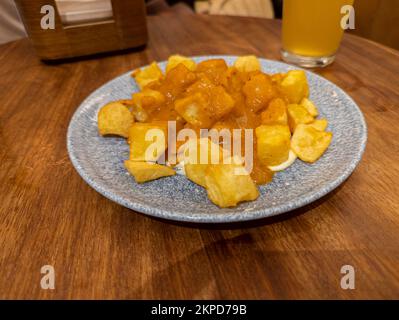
column 273, row 144
column 204, row 107
column 295, row 86
column 180, row 76
column 148, row 141
column 229, row 184
column 276, row 113
column 298, row 114
column 196, row 173
column 247, row 64
column 277, row 78
column 202, row 84
column 177, row 80
column 218, row 64
column 144, row 171
column 309, row 143
column 258, row 92
column 319, row 124
column 224, row 124
column 115, row 118
column 147, row 75
column 174, row 60
column 310, row 107
column 221, row 103
column 148, row 98
column 215, row 70
column 202, row 151
column 195, row 109
column 195, row 163
column 236, row 79
column 146, row 101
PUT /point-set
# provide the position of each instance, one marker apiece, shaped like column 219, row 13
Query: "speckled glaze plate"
column 99, row 160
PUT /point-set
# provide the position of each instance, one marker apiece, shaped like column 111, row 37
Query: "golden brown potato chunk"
column 202, row 150
column 309, row 143
column 295, row 86
column 146, row 102
column 259, row 91
column 247, row 64
column 148, row 141
column 276, row 113
column 195, row 164
column 221, row 103
column 144, row 171
column 319, row 124
column 273, row 144
column 115, row 118
column 212, row 64
column 203, row 84
column 203, row 108
column 236, row 80
column 180, row 76
column 195, row 110
column 215, row 70
column 229, row 184
column 196, row 173
column 176, row 82
column 148, row 98
column 174, row 60
column 298, row 114
column 145, row 76
column 310, row 107
column 277, row 78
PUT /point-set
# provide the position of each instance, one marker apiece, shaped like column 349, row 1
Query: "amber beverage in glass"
column 312, row 31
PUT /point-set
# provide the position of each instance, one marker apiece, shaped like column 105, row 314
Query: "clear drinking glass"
column 312, row 31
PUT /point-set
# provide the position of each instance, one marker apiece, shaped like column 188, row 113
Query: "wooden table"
column 49, row 216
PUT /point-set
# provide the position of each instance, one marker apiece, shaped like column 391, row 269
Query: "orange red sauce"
column 251, row 92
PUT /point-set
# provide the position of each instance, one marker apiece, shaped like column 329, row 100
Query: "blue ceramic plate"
column 99, row 160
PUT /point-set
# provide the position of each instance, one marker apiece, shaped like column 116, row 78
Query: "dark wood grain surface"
column 49, row 216
column 127, row 29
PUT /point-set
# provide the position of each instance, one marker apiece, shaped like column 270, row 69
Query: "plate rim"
column 218, row 218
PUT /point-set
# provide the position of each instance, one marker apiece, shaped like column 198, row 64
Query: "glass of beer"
column 312, row 31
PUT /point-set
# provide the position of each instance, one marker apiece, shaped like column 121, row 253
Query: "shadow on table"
column 205, row 269
column 255, row 223
column 95, row 56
